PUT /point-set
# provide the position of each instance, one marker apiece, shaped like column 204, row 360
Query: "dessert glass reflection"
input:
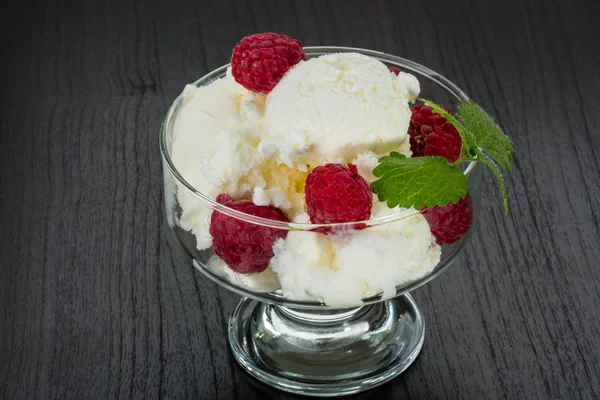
column 320, row 332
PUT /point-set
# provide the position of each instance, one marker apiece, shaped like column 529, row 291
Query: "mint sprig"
column 484, row 158
column 419, row 181
column 430, row 181
column 487, row 136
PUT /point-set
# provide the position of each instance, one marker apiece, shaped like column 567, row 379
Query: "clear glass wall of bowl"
column 305, row 346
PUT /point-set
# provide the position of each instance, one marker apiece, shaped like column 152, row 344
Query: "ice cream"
column 337, row 106
column 340, row 270
column 215, row 148
column 341, row 108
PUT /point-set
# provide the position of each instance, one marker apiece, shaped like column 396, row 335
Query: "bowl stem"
column 326, row 353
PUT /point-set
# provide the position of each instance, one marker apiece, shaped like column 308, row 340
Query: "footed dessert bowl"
column 326, row 334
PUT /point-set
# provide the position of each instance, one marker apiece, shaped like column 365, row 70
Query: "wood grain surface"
column 98, row 303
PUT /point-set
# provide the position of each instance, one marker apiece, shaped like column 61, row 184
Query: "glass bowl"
column 314, row 347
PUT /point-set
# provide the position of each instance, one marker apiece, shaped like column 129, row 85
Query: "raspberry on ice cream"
column 260, row 60
column 431, row 135
column 449, row 223
column 246, row 248
column 335, row 193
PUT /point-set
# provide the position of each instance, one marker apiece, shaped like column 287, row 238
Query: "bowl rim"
column 312, row 51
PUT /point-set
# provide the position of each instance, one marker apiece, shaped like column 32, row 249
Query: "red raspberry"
column 261, row 60
column 431, row 135
column 449, row 223
column 335, row 193
column 394, row 69
column 245, row 247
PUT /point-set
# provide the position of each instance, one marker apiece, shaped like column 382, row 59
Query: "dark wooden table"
column 97, row 304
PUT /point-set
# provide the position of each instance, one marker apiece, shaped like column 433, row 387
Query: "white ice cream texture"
column 344, row 108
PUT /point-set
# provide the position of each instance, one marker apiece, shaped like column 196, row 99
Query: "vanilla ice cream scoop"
column 341, row 270
column 337, row 106
column 206, row 111
column 212, row 147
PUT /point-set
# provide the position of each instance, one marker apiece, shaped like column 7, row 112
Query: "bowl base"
column 326, row 353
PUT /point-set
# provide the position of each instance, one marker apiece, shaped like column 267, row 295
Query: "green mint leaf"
column 466, row 136
column 484, row 158
column 483, row 140
column 417, row 182
column 488, row 136
column 430, row 181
